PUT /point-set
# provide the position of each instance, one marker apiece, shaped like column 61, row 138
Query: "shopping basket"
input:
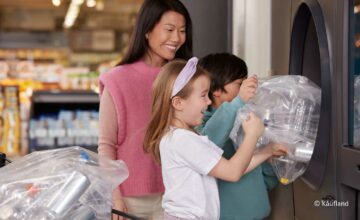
column 125, row 215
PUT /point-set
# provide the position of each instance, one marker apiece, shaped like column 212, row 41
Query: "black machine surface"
column 318, row 40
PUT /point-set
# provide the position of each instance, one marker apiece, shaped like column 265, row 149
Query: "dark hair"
column 223, row 68
column 149, row 15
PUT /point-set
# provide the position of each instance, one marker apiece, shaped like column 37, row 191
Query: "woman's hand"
column 119, row 205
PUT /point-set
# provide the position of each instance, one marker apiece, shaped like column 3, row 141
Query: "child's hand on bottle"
column 253, row 125
column 248, row 88
column 273, row 149
column 277, row 149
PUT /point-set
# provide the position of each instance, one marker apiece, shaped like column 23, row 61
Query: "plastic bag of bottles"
column 290, row 109
column 66, row 183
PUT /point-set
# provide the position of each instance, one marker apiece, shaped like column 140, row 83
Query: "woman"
column 163, row 31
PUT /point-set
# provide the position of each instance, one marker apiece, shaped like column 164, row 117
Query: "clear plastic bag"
column 290, row 109
column 66, row 183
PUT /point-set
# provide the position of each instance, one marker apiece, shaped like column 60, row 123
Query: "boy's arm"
column 270, row 179
column 220, row 124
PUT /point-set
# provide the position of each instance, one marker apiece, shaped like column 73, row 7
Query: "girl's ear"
column 177, row 103
column 217, row 93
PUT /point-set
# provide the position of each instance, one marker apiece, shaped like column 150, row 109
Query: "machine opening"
column 309, row 56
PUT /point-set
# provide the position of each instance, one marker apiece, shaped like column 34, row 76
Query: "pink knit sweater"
column 129, row 87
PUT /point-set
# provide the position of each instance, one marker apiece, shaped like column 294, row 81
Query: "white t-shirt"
column 186, row 160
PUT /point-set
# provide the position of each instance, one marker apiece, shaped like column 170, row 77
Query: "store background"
column 40, row 51
column 49, row 68
column 48, row 76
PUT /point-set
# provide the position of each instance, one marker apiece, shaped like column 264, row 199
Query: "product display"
column 4, row 69
column 67, row 183
column 67, row 128
column 290, row 109
column 10, row 120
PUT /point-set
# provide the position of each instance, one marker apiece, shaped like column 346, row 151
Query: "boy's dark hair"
column 223, row 68
column 150, row 14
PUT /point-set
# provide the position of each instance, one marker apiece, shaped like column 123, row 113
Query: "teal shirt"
column 248, row 198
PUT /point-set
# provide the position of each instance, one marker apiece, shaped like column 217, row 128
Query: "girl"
column 190, row 161
column 163, row 31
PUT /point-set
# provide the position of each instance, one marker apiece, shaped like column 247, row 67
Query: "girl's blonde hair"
column 161, row 109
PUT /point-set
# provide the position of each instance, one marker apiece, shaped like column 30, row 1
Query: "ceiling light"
column 78, row 2
column 90, row 3
column 72, row 13
column 56, row 2
column 100, row 5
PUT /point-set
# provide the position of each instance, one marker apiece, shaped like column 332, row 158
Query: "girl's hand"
column 120, row 205
column 253, row 125
column 248, row 88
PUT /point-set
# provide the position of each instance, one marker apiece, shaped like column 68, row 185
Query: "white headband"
column 184, row 76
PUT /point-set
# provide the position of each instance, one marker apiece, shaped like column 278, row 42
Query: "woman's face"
column 167, row 36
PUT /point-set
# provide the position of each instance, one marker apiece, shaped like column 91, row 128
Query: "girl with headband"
column 163, row 31
column 191, row 162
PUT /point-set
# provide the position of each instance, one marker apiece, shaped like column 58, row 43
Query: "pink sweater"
column 121, row 133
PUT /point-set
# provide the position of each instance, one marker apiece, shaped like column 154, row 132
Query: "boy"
column 248, row 198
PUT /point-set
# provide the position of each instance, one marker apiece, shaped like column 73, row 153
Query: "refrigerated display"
column 62, row 119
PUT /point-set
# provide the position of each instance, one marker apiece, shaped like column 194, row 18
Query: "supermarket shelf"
column 65, row 97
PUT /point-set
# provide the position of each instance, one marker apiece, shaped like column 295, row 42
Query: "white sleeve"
column 198, row 152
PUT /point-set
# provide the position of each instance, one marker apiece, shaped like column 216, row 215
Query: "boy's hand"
column 248, row 88
column 272, row 150
column 277, row 149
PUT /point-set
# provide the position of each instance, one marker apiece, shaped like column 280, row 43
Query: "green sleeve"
column 270, row 178
column 220, row 124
